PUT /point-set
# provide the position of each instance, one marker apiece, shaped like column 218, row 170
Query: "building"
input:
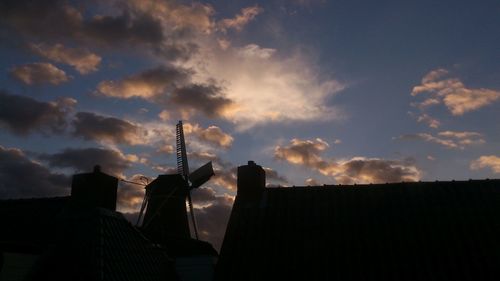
column 82, row 237
column 398, row 231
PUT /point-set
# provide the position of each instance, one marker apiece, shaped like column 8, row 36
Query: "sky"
column 317, row 92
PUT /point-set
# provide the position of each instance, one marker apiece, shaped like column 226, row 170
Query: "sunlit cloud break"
column 453, row 93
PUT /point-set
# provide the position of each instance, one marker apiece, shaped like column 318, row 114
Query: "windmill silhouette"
column 164, row 204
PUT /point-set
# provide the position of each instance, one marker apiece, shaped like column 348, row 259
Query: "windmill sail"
column 182, row 162
column 183, row 168
column 201, row 175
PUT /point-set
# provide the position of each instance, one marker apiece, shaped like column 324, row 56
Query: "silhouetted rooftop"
column 80, row 243
column 399, row 231
column 29, row 223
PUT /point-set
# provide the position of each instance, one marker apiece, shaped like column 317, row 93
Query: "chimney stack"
column 95, row 189
column 251, row 180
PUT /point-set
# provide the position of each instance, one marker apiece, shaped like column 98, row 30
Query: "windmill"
column 182, row 180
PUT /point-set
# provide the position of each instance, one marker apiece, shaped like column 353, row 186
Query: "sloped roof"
column 28, row 224
column 98, row 244
column 80, row 243
column 401, row 231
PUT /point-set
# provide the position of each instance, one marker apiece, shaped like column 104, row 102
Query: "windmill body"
column 164, row 204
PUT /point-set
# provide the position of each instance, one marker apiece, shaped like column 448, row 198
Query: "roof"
column 98, row 244
column 400, row 231
column 29, row 223
column 80, row 243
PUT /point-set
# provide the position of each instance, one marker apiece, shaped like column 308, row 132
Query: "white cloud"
column 489, row 161
column 212, row 135
column 267, row 88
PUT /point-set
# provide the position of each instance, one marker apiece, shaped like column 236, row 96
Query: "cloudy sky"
column 335, row 92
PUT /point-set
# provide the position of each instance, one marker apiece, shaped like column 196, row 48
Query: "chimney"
column 251, row 180
column 95, row 189
column 166, row 215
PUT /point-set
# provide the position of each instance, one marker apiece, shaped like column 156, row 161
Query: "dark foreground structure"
column 82, row 237
column 399, row 231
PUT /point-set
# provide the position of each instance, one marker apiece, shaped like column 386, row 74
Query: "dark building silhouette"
column 166, row 224
column 82, row 237
column 94, row 189
column 397, row 231
column 166, row 215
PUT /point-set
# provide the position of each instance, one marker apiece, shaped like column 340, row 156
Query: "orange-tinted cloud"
column 212, row 135
column 81, row 59
column 39, row 73
column 148, row 84
column 453, row 93
column 487, row 161
column 240, row 20
column 347, row 171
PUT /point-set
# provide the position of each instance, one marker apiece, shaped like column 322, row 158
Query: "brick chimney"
column 251, row 181
column 95, row 189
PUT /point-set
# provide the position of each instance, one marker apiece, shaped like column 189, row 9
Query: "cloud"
column 225, row 177
column 212, row 135
column 312, row 182
column 251, row 51
column 39, row 73
column 203, row 195
column 307, row 153
column 81, row 59
column 112, row 162
column 448, row 139
column 269, row 87
column 273, row 177
column 125, row 28
column 164, row 115
column 171, row 87
column 23, row 177
column 373, row 170
column 212, row 219
column 166, row 148
column 91, row 126
column 430, row 121
column 205, row 98
column 453, row 93
column 487, row 161
column 22, row 115
column 196, row 16
column 162, row 28
column 303, row 152
column 241, row 20
column 33, row 17
column 460, row 135
column 148, row 84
